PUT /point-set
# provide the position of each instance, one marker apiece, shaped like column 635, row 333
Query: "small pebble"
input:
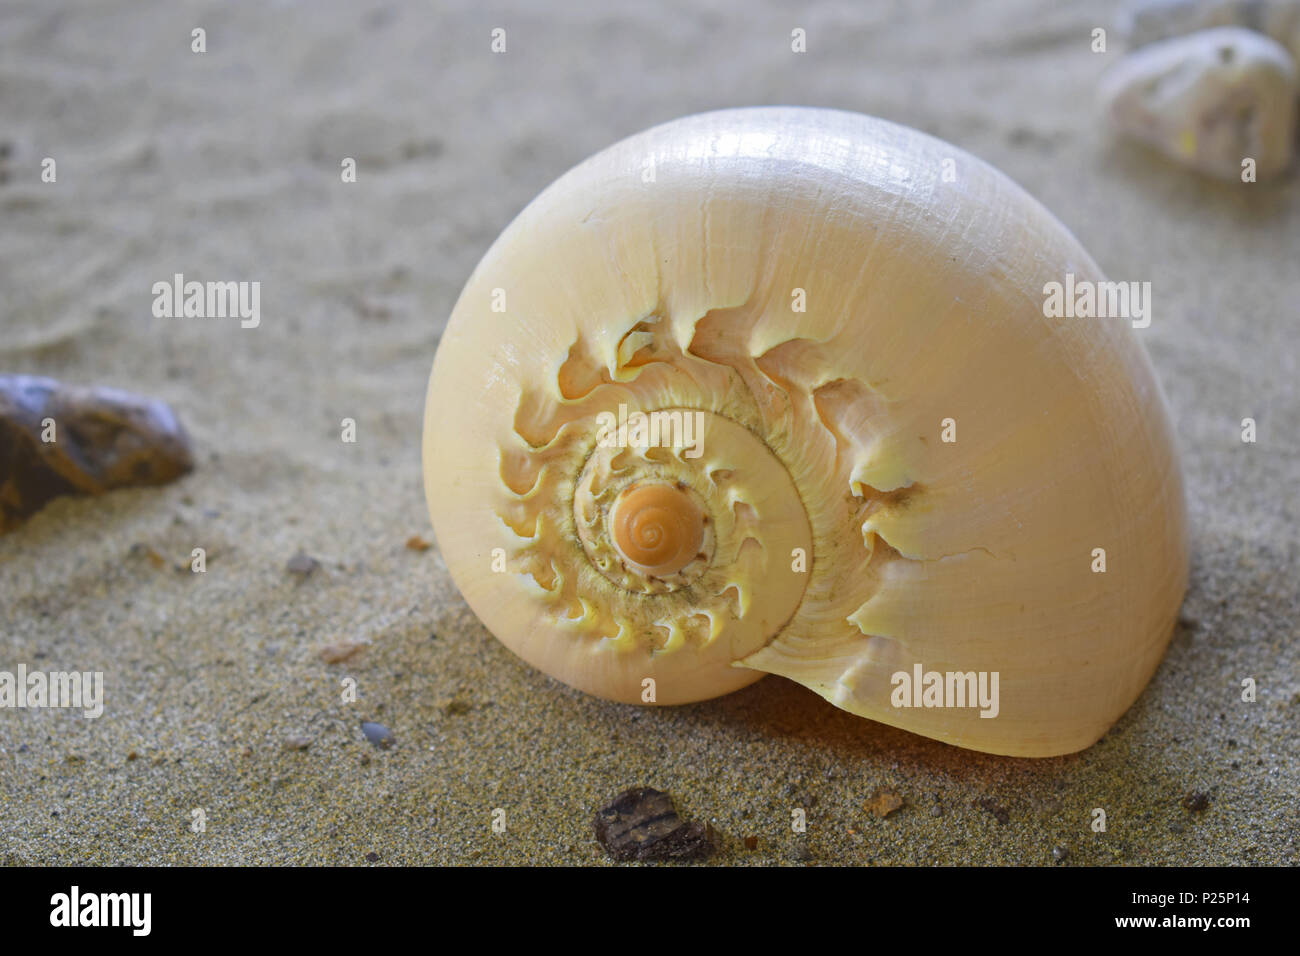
column 377, row 734
column 337, row 653
column 1208, row 100
column 416, row 543
column 301, row 563
column 1060, row 854
column 1196, row 802
column 751, row 843
column 372, row 857
column 884, row 801
column 297, row 742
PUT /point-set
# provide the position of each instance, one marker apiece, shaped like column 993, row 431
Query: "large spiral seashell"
column 764, row 391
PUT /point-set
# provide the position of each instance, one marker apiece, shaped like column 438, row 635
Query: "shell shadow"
column 1144, row 171
column 784, row 711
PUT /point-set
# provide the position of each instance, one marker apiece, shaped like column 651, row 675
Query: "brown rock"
column 642, row 824
column 103, row 438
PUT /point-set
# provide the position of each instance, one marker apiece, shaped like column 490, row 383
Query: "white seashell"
column 899, row 470
column 1209, row 100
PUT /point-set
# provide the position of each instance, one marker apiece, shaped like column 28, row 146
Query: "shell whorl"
column 648, row 515
column 687, row 427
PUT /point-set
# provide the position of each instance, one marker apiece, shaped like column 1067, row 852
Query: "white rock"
column 1150, row 21
column 1209, row 100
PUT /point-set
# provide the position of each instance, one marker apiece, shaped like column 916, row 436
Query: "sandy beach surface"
column 226, row 165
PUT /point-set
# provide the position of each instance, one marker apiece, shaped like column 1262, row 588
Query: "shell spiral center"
column 657, row 527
